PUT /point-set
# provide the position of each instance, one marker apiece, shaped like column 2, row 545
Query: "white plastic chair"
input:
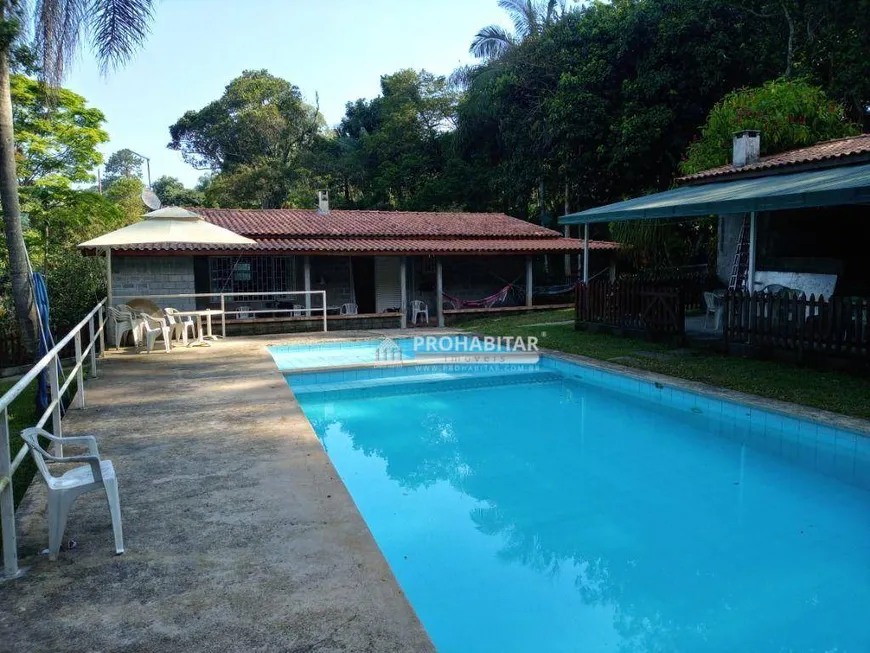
column 65, row 489
column 152, row 328
column 179, row 325
column 419, row 308
column 123, row 321
column 349, row 309
column 713, row 306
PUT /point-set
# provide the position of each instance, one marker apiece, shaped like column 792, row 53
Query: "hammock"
column 486, row 302
column 554, row 290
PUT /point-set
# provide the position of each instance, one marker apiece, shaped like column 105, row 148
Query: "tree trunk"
column 791, row 31
column 19, row 270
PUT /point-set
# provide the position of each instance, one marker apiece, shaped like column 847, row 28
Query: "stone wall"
column 139, row 276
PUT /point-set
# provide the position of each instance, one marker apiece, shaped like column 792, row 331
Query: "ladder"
column 740, row 266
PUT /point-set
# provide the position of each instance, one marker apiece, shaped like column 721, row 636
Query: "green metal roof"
column 844, row 185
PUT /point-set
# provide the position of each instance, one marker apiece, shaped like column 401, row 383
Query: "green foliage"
column 172, row 192
column 56, row 135
column 390, row 152
column 126, row 194
column 123, row 164
column 530, row 18
column 56, row 224
column 254, row 136
column 790, row 115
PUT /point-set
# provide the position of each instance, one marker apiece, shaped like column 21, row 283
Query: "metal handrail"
column 49, row 362
column 309, row 309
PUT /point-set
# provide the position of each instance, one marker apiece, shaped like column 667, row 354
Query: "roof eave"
column 700, row 179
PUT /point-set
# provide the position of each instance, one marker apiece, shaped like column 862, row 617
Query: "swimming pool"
column 565, row 508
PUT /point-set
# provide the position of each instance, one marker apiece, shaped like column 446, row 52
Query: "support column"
column 110, row 300
column 403, row 289
column 750, row 276
column 586, row 253
column 439, row 292
column 306, row 262
column 529, row 281
column 566, row 231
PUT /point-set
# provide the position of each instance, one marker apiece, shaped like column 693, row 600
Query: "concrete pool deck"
column 239, row 534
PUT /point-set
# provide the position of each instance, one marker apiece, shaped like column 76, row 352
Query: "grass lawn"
column 22, row 414
column 834, row 391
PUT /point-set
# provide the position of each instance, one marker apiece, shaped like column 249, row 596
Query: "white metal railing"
column 51, row 363
column 308, row 310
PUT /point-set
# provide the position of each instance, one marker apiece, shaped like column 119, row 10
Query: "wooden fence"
column 631, row 305
column 691, row 281
column 829, row 327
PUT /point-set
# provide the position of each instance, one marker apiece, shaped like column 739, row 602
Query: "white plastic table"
column 201, row 337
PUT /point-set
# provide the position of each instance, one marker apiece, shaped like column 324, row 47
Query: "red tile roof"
column 839, row 150
column 305, row 231
column 286, row 223
column 391, row 246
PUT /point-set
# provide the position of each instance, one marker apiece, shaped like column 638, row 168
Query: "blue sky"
column 335, row 48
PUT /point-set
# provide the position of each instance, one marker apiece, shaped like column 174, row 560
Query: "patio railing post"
column 56, row 416
column 223, row 316
column 7, row 503
column 80, row 371
column 102, row 323
column 93, row 345
column 323, row 297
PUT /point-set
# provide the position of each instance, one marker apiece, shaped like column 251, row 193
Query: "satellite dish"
column 151, row 200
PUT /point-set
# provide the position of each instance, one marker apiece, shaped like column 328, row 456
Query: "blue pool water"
column 562, row 509
column 363, row 352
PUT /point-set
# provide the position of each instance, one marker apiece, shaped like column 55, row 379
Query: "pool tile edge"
column 795, row 411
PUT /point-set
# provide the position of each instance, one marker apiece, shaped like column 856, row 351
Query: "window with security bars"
column 237, row 274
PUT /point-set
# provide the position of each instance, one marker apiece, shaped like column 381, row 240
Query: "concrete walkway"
column 239, row 535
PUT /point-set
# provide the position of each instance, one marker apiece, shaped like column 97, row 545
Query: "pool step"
column 429, row 381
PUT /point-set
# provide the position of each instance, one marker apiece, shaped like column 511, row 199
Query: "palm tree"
column 530, row 18
column 114, row 28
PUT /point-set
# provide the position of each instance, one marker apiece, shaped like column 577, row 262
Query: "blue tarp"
column 46, row 342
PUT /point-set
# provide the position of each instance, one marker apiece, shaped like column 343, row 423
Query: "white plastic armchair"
column 123, row 321
column 349, row 309
column 179, row 325
column 152, row 328
column 419, row 308
column 65, row 489
column 713, row 306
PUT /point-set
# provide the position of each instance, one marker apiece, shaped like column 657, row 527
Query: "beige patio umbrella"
column 167, row 225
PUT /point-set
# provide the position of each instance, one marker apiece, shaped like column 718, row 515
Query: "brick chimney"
column 747, row 148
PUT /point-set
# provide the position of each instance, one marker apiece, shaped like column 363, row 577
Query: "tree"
column 123, row 164
column 789, row 114
column 530, row 18
column 172, row 192
column 115, row 28
column 253, row 136
column 56, row 134
column 390, row 152
column 126, row 194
